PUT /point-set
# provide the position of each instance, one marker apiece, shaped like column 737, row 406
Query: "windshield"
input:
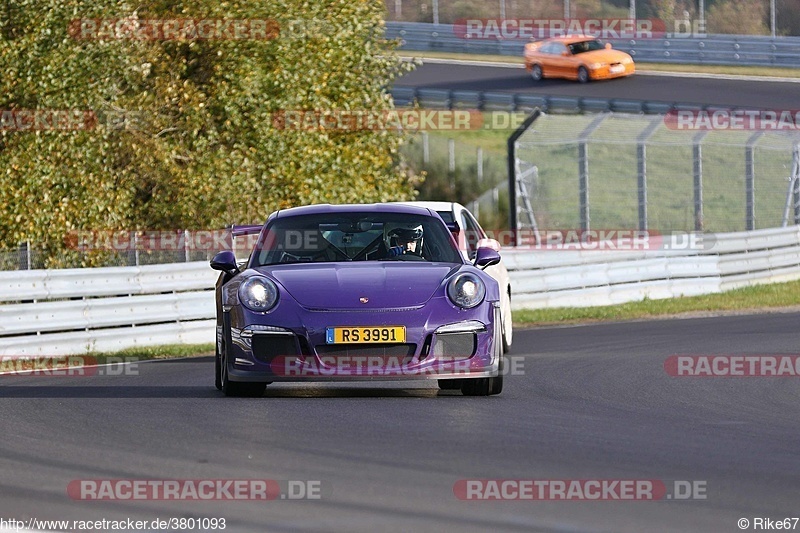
column 355, row 237
column 585, row 46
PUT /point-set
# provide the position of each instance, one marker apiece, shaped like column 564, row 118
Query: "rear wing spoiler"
column 251, row 229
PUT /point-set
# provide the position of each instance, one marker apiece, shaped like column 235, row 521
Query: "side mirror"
column 225, row 261
column 608, row 46
column 486, row 257
column 565, row 53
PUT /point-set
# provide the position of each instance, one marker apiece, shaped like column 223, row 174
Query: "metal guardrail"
column 494, row 101
column 62, row 312
column 710, row 49
column 142, row 308
column 590, row 278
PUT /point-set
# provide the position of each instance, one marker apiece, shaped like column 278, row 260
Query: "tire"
column 488, row 386
column 537, row 73
column 583, row 75
column 497, row 382
column 508, row 328
column 477, row 387
column 450, row 384
column 217, row 370
column 238, row 389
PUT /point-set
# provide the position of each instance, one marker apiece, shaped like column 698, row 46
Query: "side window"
column 473, row 233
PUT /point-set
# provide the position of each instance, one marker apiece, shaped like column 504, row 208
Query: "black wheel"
column 489, row 386
column 497, row 382
column 450, row 384
column 235, row 388
column 477, row 387
column 536, row 73
column 217, row 369
column 583, row 75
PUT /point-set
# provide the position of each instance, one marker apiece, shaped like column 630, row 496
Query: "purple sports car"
column 357, row 292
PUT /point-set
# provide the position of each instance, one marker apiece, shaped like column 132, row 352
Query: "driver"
column 402, row 240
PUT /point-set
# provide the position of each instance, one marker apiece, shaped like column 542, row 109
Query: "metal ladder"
column 526, row 209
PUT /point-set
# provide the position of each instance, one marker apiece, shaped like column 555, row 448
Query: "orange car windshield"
column 585, row 46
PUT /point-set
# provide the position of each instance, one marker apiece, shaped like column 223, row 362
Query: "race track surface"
column 593, row 402
column 720, row 92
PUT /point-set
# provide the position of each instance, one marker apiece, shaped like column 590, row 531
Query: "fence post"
column 749, row 181
column 796, row 176
column 451, row 155
column 583, row 169
column 480, row 164
column 583, row 184
column 426, row 149
column 641, row 165
column 697, row 158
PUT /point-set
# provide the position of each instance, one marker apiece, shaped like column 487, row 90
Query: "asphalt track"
column 594, row 402
column 702, row 91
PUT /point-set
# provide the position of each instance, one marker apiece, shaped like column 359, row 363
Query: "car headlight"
column 466, row 290
column 258, row 294
column 594, row 66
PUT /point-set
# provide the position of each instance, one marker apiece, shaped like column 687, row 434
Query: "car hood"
column 603, row 56
column 343, row 286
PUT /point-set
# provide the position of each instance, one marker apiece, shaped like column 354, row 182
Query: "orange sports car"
column 576, row 58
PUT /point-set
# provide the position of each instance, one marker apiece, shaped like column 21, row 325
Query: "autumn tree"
column 180, row 132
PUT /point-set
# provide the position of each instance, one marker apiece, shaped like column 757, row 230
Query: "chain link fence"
column 741, row 17
column 126, row 248
column 614, row 170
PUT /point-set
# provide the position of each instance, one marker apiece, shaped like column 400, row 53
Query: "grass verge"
column 57, row 364
column 748, row 299
column 143, row 353
column 732, row 70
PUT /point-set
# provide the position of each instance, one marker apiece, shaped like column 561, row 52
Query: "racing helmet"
column 397, row 234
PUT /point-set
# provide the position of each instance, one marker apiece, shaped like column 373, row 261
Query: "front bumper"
column 442, row 342
column 606, row 72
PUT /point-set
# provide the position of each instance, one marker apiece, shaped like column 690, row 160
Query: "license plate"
column 616, row 69
column 363, row 334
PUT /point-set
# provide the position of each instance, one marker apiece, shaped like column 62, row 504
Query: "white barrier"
column 570, row 278
column 60, row 312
